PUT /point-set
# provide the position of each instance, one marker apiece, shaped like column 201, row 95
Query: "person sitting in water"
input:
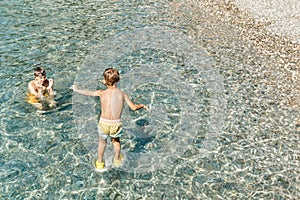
column 41, row 89
column 112, row 102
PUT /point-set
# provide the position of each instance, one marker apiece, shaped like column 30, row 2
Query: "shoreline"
column 229, row 32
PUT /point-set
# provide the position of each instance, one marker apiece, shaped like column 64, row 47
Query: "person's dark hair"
column 39, row 72
column 111, row 76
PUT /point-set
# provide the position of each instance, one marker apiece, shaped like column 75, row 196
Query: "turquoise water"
column 223, row 110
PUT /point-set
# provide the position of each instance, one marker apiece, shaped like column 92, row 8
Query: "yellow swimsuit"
column 32, row 99
column 112, row 128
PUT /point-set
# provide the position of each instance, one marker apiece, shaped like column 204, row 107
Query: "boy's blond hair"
column 111, row 76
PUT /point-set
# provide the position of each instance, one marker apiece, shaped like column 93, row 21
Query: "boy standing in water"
column 112, row 102
column 41, row 89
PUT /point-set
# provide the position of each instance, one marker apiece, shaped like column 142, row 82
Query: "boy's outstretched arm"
column 85, row 92
column 132, row 105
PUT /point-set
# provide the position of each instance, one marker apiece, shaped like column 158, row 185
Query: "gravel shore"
column 268, row 27
column 280, row 17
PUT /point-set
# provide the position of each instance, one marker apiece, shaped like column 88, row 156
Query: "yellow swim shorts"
column 32, row 99
column 112, row 128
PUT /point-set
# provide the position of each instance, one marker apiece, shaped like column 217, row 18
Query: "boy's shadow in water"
column 141, row 137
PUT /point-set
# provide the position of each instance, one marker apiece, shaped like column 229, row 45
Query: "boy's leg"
column 101, row 149
column 117, row 148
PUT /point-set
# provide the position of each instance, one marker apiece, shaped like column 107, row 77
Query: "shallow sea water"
column 222, row 93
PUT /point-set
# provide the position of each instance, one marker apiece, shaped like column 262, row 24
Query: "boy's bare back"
column 112, row 99
column 112, row 102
